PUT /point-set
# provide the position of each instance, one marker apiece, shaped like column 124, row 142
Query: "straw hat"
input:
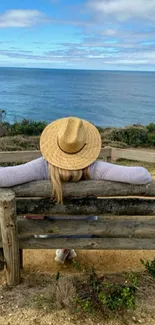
column 70, row 143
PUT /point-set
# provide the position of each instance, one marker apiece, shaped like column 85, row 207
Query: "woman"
column 70, row 147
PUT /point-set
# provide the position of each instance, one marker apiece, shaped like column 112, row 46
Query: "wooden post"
column 10, row 236
column 106, row 154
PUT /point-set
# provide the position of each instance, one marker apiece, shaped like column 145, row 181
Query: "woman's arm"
column 125, row 174
column 34, row 170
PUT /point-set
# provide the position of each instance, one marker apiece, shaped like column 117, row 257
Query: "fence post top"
column 6, row 195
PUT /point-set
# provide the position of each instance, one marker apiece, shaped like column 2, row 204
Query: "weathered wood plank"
column 18, row 156
column 10, row 236
column 138, row 155
column 88, row 243
column 91, row 206
column 24, row 156
column 85, row 189
column 111, row 229
column 108, row 153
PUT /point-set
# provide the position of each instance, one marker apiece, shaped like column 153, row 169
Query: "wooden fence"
column 107, row 153
column 126, row 216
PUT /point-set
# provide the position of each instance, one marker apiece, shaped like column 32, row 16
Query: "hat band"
column 70, row 153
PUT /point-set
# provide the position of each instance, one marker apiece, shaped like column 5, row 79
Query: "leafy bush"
column 151, row 127
column 5, row 129
column 132, row 136
column 151, row 139
column 96, row 294
column 27, row 127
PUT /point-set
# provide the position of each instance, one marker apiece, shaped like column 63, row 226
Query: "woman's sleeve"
column 101, row 170
column 34, row 170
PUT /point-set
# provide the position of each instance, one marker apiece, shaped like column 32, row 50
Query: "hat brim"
column 55, row 156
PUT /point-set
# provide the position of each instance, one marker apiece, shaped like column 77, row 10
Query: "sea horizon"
column 76, row 69
column 107, row 98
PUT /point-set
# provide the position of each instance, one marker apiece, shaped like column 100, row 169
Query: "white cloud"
column 21, row 18
column 124, row 9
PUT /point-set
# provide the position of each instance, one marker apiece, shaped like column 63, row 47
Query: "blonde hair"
column 59, row 175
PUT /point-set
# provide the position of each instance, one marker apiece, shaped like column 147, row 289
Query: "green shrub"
column 27, row 127
column 96, row 294
column 151, row 127
column 132, row 136
column 151, row 139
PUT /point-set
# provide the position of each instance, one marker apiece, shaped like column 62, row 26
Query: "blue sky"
column 80, row 34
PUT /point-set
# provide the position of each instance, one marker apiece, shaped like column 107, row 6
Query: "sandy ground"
column 24, row 304
column 103, row 261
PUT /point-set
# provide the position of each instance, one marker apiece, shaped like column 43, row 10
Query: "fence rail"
column 107, row 153
column 121, row 209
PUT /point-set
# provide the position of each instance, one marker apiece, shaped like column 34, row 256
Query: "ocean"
column 105, row 98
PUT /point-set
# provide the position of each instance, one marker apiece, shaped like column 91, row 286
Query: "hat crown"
column 72, row 135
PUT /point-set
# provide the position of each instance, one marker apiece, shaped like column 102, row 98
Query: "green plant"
column 57, row 276
column 120, row 297
column 102, row 297
column 133, row 278
column 27, row 127
column 151, row 138
column 151, row 127
column 150, row 266
column 76, row 264
column 133, row 136
column 85, row 305
column 95, row 294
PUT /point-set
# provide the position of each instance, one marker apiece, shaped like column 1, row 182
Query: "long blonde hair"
column 59, row 175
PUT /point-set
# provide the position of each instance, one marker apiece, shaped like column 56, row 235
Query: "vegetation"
column 88, row 294
column 150, row 266
column 98, row 294
column 130, row 136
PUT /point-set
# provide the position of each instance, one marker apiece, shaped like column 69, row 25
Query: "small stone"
column 143, row 315
column 134, row 319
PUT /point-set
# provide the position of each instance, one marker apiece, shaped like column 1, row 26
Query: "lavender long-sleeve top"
column 38, row 170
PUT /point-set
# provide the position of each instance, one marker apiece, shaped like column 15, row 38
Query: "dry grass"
column 51, row 302
column 149, row 166
column 19, row 142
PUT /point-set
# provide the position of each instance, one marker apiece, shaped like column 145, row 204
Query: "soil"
column 30, row 304
column 17, row 306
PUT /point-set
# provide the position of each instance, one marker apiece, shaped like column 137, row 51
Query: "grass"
column 88, row 294
column 149, row 166
column 118, row 298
